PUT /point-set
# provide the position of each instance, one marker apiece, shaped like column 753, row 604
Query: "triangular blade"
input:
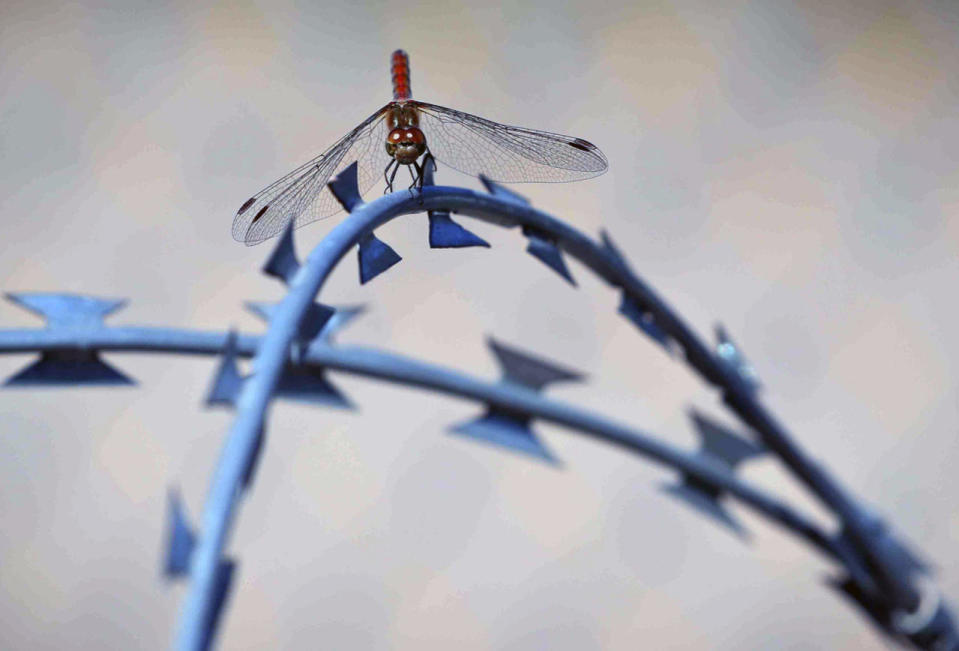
column 721, row 444
column 261, row 309
column 644, row 320
column 345, row 188
column 68, row 310
column 530, row 371
column 180, row 538
column 227, row 382
column 221, row 590
column 705, row 499
column 304, row 384
column 506, row 430
column 282, row 262
column 447, row 234
column 342, row 316
column 69, row 367
column 375, row 257
column 548, row 253
column 613, row 251
column 502, row 192
column 314, row 320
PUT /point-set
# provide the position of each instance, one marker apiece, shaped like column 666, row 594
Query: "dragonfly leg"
column 389, row 180
column 415, row 177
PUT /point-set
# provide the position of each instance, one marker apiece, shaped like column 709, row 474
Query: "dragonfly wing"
column 475, row 145
column 302, row 194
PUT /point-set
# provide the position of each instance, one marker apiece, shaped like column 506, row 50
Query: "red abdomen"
column 400, row 68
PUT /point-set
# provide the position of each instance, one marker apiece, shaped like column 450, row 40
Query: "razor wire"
column 879, row 573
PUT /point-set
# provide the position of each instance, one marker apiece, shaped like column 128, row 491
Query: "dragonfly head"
column 406, row 144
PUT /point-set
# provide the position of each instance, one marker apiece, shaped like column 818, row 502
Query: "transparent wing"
column 475, row 145
column 302, row 194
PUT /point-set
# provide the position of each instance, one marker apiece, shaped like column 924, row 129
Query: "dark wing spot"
column 260, row 214
column 582, row 145
column 246, row 204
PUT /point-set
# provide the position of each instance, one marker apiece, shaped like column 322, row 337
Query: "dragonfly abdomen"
column 401, row 76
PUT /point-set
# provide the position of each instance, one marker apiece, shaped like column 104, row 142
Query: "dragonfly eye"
column 405, row 144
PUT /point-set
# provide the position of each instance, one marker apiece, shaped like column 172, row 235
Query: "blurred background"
column 788, row 170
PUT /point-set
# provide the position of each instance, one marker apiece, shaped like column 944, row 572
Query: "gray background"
column 790, row 171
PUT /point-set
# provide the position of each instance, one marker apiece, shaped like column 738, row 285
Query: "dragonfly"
column 413, row 134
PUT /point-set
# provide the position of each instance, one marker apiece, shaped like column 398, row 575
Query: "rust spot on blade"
column 246, row 205
column 260, row 214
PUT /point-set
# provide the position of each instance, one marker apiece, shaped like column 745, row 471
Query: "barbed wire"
column 879, row 573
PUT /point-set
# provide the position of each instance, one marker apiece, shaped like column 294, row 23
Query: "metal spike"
column 612, row 250
column 718, row 445
column 261, row 309
column 345, row 188
column 617, row 267
column 447, row 234
column 308, row 384
column 227, row 382
column 320, row 324
column 645, row 321
column 69, row 367
column 180, row 538
column 502, row 192
column 342, row 316
column 221, row 590
column 704, row 498
column 547, row 252
column 314, row 319
column 732, row 355
column 375, row 257
column 506, row 430
column 528, row 370
column 721, row 444
column 282, row 263
column 67, row 310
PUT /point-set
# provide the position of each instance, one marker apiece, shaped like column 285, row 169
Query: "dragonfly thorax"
column 406, row 144
column 400, row 114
